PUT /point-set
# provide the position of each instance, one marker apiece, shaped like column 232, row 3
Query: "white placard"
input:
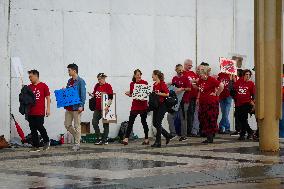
column 110, row 116
column 141, row 91
column 18, row 66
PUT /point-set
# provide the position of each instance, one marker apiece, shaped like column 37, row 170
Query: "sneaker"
column 236, row 133
column 46, row 146
column 76, row 147
column 35, row 150
column 173, row 137
column 182, row 139
column 101, row 142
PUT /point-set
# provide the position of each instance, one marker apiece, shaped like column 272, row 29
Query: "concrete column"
column 5, row 70
column 268, row 62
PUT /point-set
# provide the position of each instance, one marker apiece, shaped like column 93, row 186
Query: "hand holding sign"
column 228, row 66
column 141, row 91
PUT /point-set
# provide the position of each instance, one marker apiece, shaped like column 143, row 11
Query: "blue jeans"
column 225, row 105
column 281, row 123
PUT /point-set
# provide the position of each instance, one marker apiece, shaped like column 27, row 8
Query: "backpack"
column 122, row 131
column 153, row 102
column 171, row 100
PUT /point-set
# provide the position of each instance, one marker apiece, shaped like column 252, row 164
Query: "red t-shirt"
column 138, row 104
column 191, row 76
column 98, row 90
column 41, row 91
column 206, row 87
column 225, row 79
column 161, row 88
column 70, row 108
column 245, row 90
column 182, row 82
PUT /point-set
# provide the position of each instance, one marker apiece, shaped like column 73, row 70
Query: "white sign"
column 110, row 116
column 18, row 66
column 141, row 91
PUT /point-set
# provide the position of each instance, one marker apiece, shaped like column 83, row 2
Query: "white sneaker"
column 35, row 150
column 76, row 147
column 46, row 146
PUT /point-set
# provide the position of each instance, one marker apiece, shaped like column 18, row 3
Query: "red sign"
column 228, row 66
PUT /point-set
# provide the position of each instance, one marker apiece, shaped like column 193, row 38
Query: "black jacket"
column 27, row 99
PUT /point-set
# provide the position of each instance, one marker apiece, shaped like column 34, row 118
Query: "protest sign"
column 67, row 97
column 228, row 66
column 141, row 91
column 110, row 116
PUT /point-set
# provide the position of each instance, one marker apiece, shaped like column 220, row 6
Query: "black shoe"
column 156, row 145
column 241, row 138
column 207, row 141
column 249, row 136
column 99, row 142
column 236, row 133
column 227, row 132
column 168, row 139
column 182, row 139
column 145, row 143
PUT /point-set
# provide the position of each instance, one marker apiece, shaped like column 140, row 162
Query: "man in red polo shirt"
column 38, row 111
column 192, row 77
column 182, row 83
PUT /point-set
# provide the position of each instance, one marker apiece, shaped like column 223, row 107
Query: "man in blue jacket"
column 74, row 112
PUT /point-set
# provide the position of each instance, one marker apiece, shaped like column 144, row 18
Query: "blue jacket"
column 81, row 84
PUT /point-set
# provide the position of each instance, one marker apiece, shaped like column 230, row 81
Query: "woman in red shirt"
column 138, row 107
column 161, row 89
column 244, row 94
column 208, row 100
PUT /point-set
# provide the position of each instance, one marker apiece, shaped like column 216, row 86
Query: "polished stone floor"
column 227, row 163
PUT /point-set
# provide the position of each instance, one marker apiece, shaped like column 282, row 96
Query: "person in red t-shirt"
column 161, row 89
column 138, row 107
column 208, row 100
column 225, row 100
column 38, row 111
column 182, row 83
column 244, row 90
column 192, row 95
column 101, row 87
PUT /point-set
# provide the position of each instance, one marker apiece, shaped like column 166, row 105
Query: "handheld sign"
column 110, row 116
column 141, row 91
column 228, row 66
column 67, row 97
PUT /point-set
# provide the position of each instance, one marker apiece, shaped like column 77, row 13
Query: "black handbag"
column 92, row 101
column 92, row 104
column 153, row 101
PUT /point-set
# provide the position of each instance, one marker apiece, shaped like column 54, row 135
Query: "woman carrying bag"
column 161, row 90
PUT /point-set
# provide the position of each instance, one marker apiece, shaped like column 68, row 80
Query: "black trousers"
column 158, row 116
column 131, row 121
column 36, row 124
column 241, row 116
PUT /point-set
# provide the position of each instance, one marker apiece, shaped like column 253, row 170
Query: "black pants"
column 36, row 124
column 241, row 116
column 190, row 115
column 237, row 122
column 158, row 116
column 131, row 121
